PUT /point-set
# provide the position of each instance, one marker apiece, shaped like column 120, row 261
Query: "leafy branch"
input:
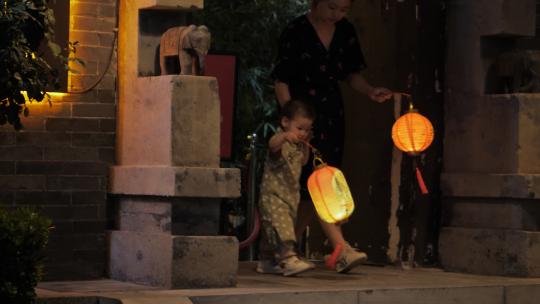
column 24, row 25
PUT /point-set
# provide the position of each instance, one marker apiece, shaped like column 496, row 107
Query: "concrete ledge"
column 204, row 261
column 493, row 134
column 490, row 185
column 490, row 251
column 173, row 261
column 175, row 181
column 141, row 258
column 172, row 4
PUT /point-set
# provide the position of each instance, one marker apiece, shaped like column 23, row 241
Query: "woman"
column 316, row 52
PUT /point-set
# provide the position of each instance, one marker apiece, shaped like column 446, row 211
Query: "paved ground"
column 366, row 284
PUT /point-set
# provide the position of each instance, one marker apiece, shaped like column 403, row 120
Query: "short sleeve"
column 287, row 58
column 353, row 57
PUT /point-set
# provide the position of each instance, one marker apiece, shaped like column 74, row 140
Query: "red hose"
column 254, row 233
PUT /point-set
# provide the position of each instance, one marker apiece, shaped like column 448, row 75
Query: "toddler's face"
column 299, row 125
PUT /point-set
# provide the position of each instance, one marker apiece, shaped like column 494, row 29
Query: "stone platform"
column 365, row 285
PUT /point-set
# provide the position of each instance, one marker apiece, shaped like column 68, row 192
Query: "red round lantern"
column 412, row 133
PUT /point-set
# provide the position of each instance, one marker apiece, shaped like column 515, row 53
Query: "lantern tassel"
column 332, row 259
column 421, row 183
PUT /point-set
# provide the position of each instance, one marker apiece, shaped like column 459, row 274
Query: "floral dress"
column 313, row 72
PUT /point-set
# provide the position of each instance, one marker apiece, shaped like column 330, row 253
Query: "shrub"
column 23, row 236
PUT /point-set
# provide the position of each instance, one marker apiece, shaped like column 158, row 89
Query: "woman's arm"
column 359, row 83
column 282, row 92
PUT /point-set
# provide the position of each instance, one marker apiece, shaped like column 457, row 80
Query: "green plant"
column 23, row 236
column 250, row 29
column 24, row 25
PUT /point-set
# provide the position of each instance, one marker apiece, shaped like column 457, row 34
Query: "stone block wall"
column 60, row 161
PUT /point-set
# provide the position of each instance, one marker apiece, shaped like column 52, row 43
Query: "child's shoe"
column 268, row 267
column 349, row 258
column 293, row 265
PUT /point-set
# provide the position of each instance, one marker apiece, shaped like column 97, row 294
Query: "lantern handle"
column 317, row 155
column 409, row 99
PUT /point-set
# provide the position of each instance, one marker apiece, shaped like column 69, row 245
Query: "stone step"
column 497, row 213
column 365, row 284
column 490, row 251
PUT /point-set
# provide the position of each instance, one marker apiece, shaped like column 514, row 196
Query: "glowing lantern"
column 330, row 192
column 412, row 133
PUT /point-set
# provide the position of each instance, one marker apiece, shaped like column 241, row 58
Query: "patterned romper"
column 279, row 198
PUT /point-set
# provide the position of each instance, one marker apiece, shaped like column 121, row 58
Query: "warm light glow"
column 52, row 95
column 330, row 194
column 412, row 133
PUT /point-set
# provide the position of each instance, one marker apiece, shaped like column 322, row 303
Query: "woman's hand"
column 380, row 94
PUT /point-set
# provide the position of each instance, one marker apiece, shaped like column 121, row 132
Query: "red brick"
column 93, row 53
column 7, row 138
column 43, row 198
column 69, row 153
column 107, row 125
column 106, row 96
column 7, row 167
column 44, row 139
column 21, row 153
column 83, row 82
column 66, row 182
column 107, row 10
column 107, row 155
column 56, row 109
column 7, row 198
column 94, row 110
column 93, row 140
column 93, row 24
column 22, row 182
column 88, row 197
column 62, row 168
column 85, row 9
column 33, row 123
column 90, row 68
column 86, row 97
column 73, row 124
column 106, row 40
column 85, row 38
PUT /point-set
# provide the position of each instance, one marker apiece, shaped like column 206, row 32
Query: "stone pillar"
column 491, row 178
column 168, row 181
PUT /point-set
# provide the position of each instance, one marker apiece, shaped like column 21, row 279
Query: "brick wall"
column 59, row 161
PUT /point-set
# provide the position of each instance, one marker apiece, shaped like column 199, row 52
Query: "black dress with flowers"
column 312, row 73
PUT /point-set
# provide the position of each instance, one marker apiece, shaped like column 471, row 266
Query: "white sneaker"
column 349, row 258
column 293, row 266
column 268, row 267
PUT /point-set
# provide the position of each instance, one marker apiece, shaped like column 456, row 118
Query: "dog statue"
column 190, row 44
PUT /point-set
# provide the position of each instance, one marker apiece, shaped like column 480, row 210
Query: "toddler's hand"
column 291, row 137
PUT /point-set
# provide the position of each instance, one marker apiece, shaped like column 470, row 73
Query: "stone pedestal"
column 491, row 178
column 168, row 181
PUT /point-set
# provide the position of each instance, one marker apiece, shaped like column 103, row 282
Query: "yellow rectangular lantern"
column 330, row 193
